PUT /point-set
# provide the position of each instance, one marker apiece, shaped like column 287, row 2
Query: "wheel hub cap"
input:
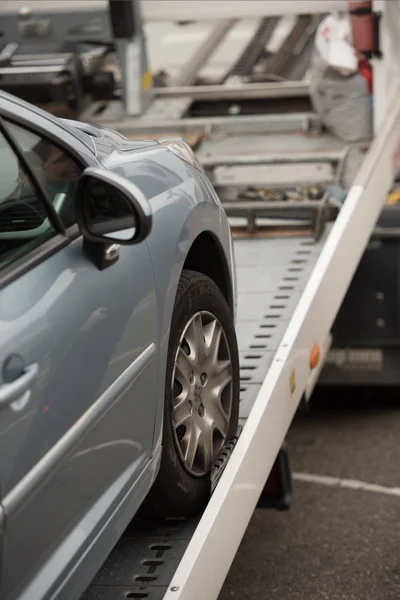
column 202, row 392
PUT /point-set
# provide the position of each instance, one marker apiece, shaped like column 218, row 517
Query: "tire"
column 183, row 488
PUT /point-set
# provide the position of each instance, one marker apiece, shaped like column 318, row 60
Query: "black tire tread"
column 163, row 500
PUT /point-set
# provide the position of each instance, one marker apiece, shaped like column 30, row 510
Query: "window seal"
column 32, row 259
column 39, row 130
column 53, row 216
column 73, row 232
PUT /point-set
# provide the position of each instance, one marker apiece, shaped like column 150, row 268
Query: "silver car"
column 119, row 371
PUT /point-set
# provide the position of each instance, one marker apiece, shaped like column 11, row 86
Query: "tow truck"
column 297, row 246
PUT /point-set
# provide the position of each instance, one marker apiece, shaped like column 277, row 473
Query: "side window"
column 23, row 218
column 55, row 169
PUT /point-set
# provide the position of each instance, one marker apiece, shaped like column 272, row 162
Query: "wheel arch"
column 207, row 256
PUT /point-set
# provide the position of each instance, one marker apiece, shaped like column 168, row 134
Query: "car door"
column 78, row 370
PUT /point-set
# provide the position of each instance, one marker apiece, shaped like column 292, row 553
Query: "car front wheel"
column 201, row 396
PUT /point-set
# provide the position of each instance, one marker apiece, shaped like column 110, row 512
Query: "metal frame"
column 385, row 69
column 147, row 124
column 60, row 24
column 198, row 10
column 284, row 89
column 191, row 10
column 305, row 166
column 189, row 71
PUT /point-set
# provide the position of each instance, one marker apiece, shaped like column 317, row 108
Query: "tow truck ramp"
column 290, row 289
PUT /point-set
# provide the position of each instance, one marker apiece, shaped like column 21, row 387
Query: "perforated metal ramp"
column 271, row 276
column 143, row 562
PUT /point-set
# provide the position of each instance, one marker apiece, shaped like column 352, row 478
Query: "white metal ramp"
column 283, row 313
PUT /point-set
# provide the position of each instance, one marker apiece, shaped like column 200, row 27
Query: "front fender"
column 184, row 204
column 172, row 236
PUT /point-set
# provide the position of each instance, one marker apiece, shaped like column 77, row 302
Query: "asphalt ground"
column 340, row 540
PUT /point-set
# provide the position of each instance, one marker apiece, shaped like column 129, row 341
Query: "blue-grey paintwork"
column 77, row 460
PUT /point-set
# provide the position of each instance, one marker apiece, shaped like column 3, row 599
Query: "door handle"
column 10, row 392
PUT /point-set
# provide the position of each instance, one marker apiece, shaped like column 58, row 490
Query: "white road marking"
column 350, row 484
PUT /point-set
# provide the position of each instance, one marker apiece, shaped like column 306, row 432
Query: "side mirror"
column 110, row 209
